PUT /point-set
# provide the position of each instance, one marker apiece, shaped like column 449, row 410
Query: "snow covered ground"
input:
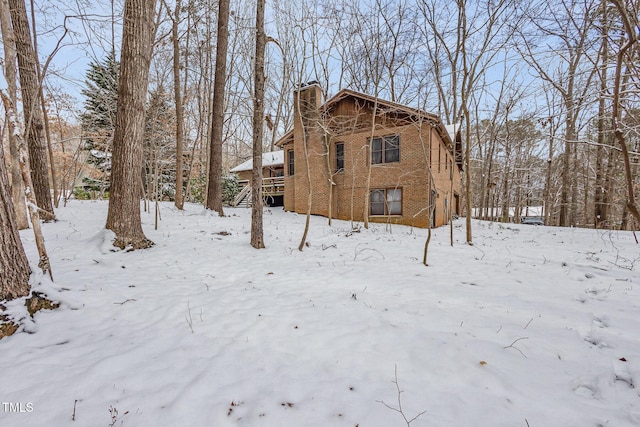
column 530, row 326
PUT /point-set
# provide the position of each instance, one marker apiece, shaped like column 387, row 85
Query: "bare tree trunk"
column 305, row 153
column 467, row 170
column 368, row 160
column 431, row 186
column 547, row 181
column 600, row 208
column 610, row 183
column 17, row 186
column 45, row 116
column 630, row 22
column 34, row 212
column 14, row 265
column 506, row 180
column 31, row 108
column 177, row 91
column 489, row 182
column 569, row 136
column 123, row 217
column 573, row 211
column 283, row 93
column 451, row 203
column 214, row 192
column 257, row 235
column 327, row 143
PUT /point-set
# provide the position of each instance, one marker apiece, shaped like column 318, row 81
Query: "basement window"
column 386, row 201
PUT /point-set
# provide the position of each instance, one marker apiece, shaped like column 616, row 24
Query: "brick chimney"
column 308, row 132
column 306, row 104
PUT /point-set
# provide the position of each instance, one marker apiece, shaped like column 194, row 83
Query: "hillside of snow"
column 530, row 326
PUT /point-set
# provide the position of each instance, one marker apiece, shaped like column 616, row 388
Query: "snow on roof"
column 272, row 158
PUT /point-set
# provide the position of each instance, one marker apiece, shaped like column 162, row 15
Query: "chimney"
column 307, row 100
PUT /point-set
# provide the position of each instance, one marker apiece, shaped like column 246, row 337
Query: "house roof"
column 345, row 93
column 450, row 132
column 273, row 158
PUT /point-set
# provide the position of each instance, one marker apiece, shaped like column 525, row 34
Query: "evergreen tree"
column 98, row 119
column 101, row 92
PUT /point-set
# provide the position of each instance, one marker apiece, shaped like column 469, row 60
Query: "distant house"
column 272, row 166
column 272, row 179
column 409, row 162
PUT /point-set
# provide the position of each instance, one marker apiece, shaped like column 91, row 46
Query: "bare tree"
column 257, row 235
column 123, row 217
column 45, row 117
column 17, row 186
column 31, row 108
column 14, row 265
column 466, row 37
column 34, row 212
column 177, row 90
column 550, row 121
column 600, row 196
column 626, row 60
column 566, row 28
column 214, row 194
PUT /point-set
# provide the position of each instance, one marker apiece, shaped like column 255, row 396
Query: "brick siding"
column 349, row 187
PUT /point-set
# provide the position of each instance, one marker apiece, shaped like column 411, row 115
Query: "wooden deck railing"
column 271, row 187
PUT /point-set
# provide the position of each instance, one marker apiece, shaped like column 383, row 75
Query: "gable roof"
column 345, row 93
column 273, row 158
column 450, row 134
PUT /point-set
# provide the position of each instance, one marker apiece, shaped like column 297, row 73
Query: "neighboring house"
column 396, row 170
column 272, row 179
column 272, row 166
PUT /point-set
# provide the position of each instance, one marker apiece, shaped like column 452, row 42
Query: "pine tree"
column 101, row 92
column 98, row 119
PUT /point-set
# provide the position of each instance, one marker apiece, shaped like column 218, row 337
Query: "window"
column 376, row 204
column 385, row 149
column 339, row 156
column 386, row 202
column 291, row 162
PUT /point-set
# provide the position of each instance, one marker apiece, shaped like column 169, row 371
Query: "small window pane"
column 377, row 202
column 376, row 151
column 291, row 162
column 394, row 201
column 339, row 156
column 392, row 149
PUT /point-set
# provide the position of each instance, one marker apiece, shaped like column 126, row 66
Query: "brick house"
column 395, row 171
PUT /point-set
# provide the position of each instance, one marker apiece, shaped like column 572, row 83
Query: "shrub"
column 230, row 188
